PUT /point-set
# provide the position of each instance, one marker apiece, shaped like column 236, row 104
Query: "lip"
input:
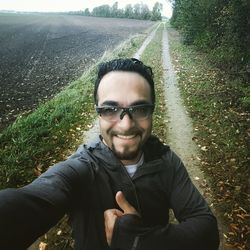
column 126, row 137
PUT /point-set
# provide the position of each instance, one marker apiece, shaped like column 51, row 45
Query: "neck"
column 132, row 161
column 128, row 161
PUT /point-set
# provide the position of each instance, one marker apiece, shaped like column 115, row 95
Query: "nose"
column 126, row 121
column 124, row 112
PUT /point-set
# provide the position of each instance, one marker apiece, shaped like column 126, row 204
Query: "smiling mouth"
column 126, row 137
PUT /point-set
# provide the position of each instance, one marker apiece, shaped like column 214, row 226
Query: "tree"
column 218, row 26
column 102, row 11
column 137, row 11
column 114, row 10
column 129, row 11
column 145, row 12
column 156, row 12
column 86, row 12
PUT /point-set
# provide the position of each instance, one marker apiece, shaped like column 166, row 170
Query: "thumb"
column 124, row 204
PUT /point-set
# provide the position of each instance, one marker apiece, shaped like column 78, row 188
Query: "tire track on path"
column 180, row 131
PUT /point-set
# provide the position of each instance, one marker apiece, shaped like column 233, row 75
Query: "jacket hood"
column 153, row 149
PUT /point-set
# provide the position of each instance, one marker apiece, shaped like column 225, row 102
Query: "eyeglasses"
column 136, row 112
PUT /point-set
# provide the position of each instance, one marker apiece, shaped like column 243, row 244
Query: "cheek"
column 105, row 128
column 147, row 125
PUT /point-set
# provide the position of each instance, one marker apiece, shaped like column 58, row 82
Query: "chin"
column 126, row 156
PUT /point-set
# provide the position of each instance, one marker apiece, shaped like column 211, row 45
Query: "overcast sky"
column 67, row 5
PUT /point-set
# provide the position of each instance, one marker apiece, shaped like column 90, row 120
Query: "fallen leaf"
column 42, row 246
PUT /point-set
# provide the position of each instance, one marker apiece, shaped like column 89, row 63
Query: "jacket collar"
column 103, row 152
column 153, row 151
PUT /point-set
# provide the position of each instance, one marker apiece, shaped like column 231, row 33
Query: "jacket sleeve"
column 28, row 212
column 196, row 230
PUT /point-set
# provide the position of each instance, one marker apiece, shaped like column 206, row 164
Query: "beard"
column 130, row 151
column 126, row 154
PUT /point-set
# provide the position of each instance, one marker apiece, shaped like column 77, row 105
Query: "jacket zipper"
column 134, row 188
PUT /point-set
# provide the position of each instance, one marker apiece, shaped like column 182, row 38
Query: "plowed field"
column 40, row 54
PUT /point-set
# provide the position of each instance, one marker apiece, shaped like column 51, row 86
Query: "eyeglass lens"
column 138, row 112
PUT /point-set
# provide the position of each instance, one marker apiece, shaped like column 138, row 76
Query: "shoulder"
column 75, row 168
column 154, row 148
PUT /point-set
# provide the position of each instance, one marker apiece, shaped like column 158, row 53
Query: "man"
column 118, row 189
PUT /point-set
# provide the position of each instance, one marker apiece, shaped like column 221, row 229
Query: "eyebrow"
column 140, row 103
column 116, row 104
column 110, row 103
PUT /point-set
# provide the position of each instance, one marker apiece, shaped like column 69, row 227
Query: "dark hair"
column 127, row 64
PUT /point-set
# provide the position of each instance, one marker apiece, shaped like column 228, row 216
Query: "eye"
column 140, row 109
column 109, row 110
column 141, row 112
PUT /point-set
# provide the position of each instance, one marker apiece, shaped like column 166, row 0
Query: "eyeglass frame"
column 126, row 110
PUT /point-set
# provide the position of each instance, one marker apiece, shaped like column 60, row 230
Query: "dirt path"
column 180, row 130
column 146, row 43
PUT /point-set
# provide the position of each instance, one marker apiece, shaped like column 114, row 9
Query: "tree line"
column 137, row 11
column 220, row 27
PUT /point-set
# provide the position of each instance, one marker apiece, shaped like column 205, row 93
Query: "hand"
column 111, row 215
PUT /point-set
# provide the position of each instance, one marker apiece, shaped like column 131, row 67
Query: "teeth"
column 126, row 136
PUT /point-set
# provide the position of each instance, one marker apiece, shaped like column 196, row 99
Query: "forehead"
column 124, row 88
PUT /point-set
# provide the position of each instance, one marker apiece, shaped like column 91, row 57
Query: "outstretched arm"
column 28, row 212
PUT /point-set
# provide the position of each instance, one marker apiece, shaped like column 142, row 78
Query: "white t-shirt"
column 132, row 168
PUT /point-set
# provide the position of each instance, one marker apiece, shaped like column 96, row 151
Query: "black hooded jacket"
column 84, row 186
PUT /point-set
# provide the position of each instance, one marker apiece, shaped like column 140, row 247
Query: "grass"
column 218, row 107
column 34, row 142
column 152, row 56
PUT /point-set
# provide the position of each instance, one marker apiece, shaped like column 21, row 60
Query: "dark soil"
column 40, row 54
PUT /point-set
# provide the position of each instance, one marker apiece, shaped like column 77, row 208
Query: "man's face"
column 125, row 136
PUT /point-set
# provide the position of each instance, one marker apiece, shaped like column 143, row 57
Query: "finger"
column 124, row 204
column 113, row 212
column 110, row 217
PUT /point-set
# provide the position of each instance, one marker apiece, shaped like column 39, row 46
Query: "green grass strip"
column 152, row 56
